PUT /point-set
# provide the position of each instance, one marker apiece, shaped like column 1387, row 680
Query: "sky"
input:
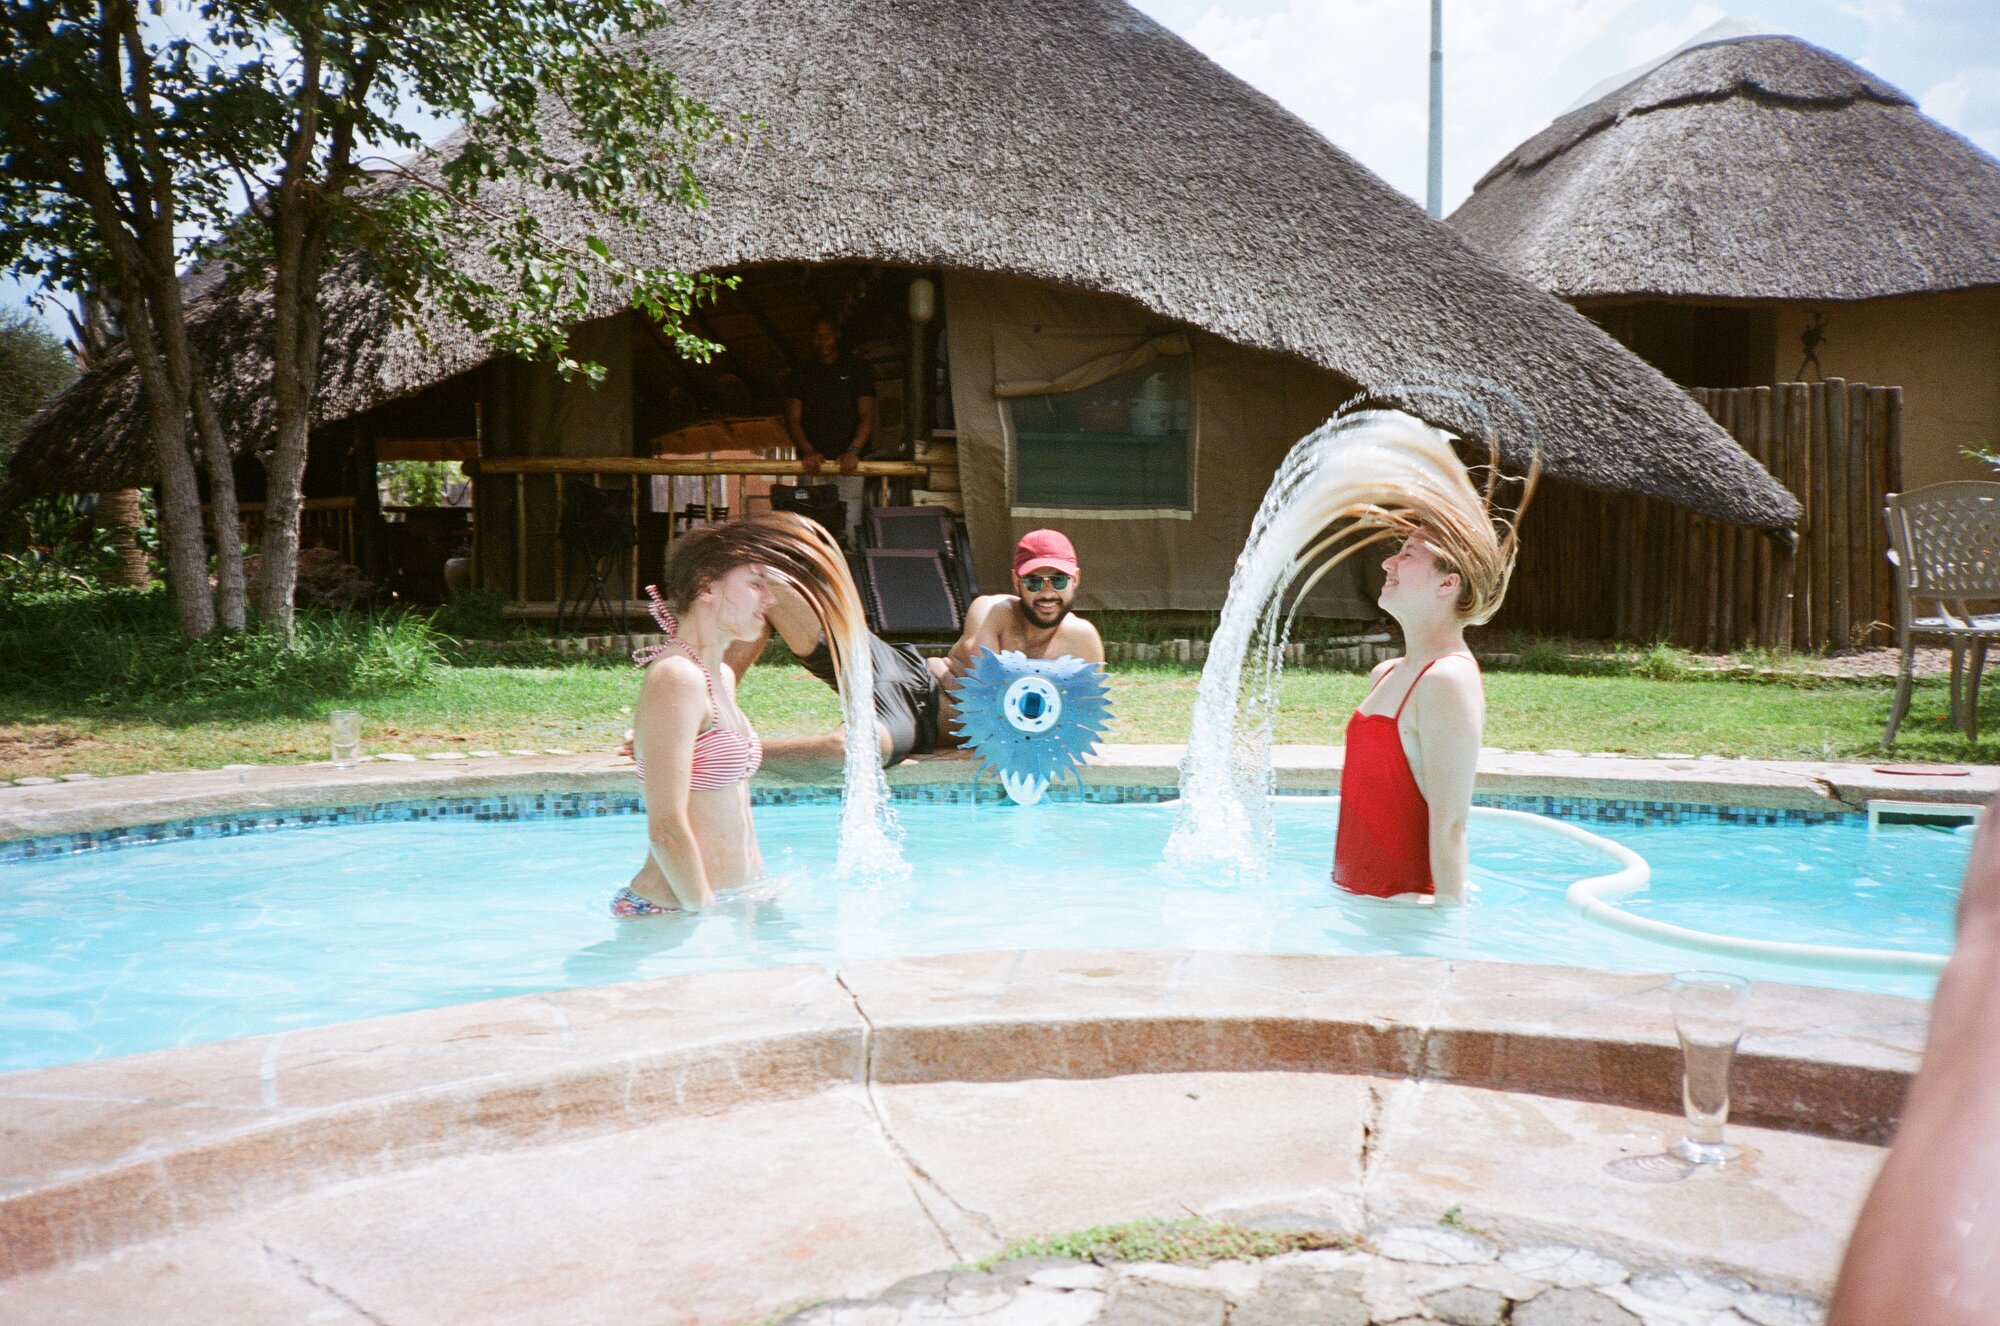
column 1358, row 70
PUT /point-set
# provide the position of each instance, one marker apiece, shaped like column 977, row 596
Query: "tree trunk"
column 120, row 513
column 294, row 382
column 180, row 496
column 225, row 518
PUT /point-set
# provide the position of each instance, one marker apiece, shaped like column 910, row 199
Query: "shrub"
column 475, row 614
column 1661, row 662
column 54, row 546
column 123, row 647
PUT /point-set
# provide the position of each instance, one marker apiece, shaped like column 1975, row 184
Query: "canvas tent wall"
column 1245, row 410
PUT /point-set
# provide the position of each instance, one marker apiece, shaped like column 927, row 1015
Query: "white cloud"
column 1875, row 13
column 1657, row 38
column 1968, row 101
column 1358, row 71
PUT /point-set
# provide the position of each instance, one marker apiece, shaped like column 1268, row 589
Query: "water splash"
column 802, row 553
column 1325, row 503
column 871, row 838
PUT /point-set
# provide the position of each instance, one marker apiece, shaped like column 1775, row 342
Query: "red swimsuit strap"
column 1404, row 704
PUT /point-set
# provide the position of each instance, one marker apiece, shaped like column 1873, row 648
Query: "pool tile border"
column 518, row 807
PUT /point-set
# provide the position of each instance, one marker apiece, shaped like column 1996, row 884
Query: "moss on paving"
column 1191, row 1242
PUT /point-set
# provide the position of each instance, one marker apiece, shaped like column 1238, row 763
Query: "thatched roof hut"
column 1071, row 142
column 1760, row 168
column 1758, row 209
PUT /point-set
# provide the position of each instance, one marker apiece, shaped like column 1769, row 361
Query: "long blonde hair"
column 1406, row 479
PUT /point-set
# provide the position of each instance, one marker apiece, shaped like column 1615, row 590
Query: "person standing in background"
column 830, row 414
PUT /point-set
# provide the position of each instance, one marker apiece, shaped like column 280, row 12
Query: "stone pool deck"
column 92, row 804
column 717, row 1148
column 725, row 1147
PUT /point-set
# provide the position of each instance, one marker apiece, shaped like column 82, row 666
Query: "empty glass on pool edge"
column 1709, row 1011
column 346, row 726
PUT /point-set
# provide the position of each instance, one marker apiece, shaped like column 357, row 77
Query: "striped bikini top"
column 723, row 756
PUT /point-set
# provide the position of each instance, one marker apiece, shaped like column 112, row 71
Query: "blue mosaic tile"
column 590, row 805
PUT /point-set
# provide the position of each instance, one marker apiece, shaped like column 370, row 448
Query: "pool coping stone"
column 129, row 800
column 111, row 1152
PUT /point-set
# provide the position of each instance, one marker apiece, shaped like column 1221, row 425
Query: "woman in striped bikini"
column 693, row 748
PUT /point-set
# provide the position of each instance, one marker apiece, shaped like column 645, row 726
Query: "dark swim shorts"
column 906, row 694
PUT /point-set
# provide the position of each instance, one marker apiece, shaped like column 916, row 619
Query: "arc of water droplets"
column 1369, row 461
column 870, row 836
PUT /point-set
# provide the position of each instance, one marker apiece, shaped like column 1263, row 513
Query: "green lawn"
column 583, row 707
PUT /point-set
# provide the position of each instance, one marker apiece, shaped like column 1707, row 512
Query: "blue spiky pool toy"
column 1032, row 719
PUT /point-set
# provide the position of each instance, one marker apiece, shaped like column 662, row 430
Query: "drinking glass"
column 346, row 728
column 1709, row 1010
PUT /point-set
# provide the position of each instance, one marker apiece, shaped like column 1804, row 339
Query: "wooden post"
column 1839, row 540
column 561, row 584
column 1821, row 587
column 1762, row 573
column 367, row 502
column 1870, row 537
column 1676, row 551
column 1792, row 437
column 520, row 538
column 1860, row 526
column 1743, row 632
column 1722, row 578
column 1885, row 429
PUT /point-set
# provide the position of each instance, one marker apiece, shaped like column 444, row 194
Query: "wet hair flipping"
column 1398, row 476
column 789, row 547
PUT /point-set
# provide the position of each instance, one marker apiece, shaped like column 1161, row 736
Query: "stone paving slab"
column 105, row 1153
column 1024, row 1157
column 100, row 1153
column 1534, row 1167
column 768, row 1206
column 712, row 1219
column 130, row 799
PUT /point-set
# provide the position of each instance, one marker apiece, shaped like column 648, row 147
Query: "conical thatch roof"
column 1758, row 168
column 1070, row 141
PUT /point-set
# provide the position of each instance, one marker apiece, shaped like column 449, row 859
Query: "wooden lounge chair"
column 1944, row 541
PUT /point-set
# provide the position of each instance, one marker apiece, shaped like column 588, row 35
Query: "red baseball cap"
column 1044, row 549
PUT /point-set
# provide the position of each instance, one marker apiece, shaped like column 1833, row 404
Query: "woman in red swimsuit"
column 1413, row 745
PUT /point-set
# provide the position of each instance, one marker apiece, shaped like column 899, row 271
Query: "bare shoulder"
column 672, row 678
column 980, row 622
column 1454, row 677
column 1080, row 638
column 1381, row 669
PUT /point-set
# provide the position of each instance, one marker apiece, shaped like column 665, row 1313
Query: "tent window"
column 1121, row 444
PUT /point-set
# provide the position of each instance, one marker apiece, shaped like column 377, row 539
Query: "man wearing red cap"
column 1035, row 619
column 913, row 712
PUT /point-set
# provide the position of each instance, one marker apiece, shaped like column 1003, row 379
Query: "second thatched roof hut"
column 1759, row 209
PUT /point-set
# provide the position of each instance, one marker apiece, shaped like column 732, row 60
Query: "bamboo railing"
column 524, row 475
column 1616, row 566
column 324, row 522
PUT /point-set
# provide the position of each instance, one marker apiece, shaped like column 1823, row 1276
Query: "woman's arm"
column 1450, row 715
column 1923, row 1249
column 672, row 702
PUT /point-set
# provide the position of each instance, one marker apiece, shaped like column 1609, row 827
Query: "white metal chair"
column 1944, row 541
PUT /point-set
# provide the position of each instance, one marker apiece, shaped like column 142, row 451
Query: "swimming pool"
column 106, row 953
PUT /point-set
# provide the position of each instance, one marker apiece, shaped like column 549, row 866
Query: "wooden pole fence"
column 1619, row 566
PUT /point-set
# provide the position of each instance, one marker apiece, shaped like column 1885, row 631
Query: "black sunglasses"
column 1055, row 580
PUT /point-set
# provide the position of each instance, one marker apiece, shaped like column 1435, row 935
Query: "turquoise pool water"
column 114, row 952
